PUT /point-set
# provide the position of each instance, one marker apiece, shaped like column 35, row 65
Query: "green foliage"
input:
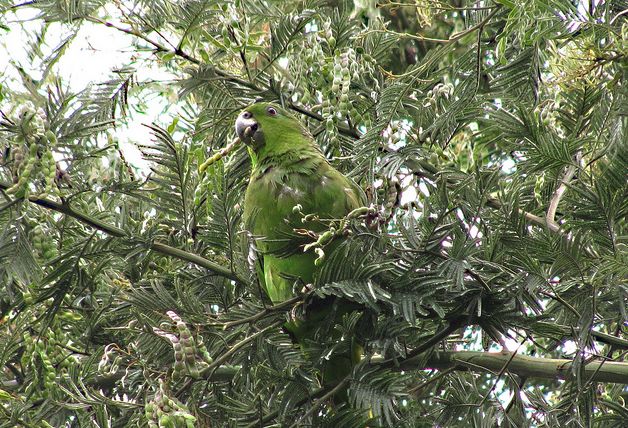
column 490, row 138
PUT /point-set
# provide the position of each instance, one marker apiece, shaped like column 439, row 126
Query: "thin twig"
column 261, row 422
column 539, row 221
column 559, row 299
column 520, row 385
column 324, row 398
column 558, row 194
column 502, row 371
column 433, row 379
column 451, row 39
column 158, row 46
column 235, row 348
column 428, row 344
column 261, row 314
column 207, row 372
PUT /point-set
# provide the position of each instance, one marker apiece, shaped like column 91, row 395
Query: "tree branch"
column 428, row 344
column 221, row 374
column 158, row 47
column 263, row 421
column 343, row 129
column 232, row 350
column 322, row 399
column 114, row 231
column 521, row 365
column 453, row 38
column 278, row 307
column 535, row 219
column 558, row 194
column 208, row 372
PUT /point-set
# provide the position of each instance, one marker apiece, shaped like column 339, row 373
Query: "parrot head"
column 262, row 125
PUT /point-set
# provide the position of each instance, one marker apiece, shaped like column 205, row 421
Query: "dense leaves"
column 490, row 139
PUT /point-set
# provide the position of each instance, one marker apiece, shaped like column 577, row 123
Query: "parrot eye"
column 271, row 111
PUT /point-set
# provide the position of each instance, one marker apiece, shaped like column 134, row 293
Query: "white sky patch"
column 89, row 59
column 311, row 27
column 283, row 62
column 93, row 54
column 508, row 166
column 423, row 188
column 474, row 232
column 569, row 347
column 511, row 344
column 409, row 195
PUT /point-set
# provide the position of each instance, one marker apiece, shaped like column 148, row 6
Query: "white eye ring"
column 271, row 111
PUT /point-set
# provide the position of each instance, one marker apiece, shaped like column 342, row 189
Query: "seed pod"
column 190, row 354
column 27, row 297
column 326, row 237
column 321, row 256
column 184, row 333
column 50, row 253
column 166, row 421
column 51, row 138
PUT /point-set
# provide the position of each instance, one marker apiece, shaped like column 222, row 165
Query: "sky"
column 89, row 59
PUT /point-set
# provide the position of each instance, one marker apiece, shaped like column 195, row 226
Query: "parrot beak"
column 246, row 127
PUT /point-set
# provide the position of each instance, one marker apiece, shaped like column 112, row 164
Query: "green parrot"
column 289, row 170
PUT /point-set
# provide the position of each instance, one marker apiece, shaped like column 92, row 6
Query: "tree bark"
column 521, row 365
column 493, row 362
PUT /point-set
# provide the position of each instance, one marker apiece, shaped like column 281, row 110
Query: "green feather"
column 289, row 169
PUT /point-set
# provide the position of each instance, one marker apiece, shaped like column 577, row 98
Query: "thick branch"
column 114, row 231
column 521, row 365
